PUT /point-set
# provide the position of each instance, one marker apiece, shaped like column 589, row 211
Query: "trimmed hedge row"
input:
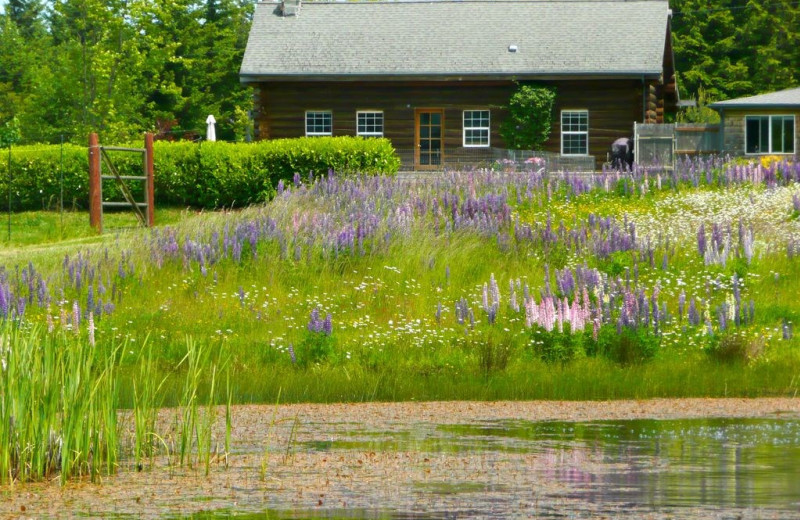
column 202, row 175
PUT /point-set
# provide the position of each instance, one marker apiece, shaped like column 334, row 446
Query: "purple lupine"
column 327, row 324
column 291, row 354
column 315, row 323
column 681, row 305
column 4, row 303
column 722, row 316
column 491, row 314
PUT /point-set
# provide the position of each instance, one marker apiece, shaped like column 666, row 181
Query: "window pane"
column 777, row 135
column 575, row 132
column 764, row 138
column 753, row 131
column 788, row 135
column 476, row 128
column 436, row 119
column 319, row 123
column 370, row 123
column 575, row 143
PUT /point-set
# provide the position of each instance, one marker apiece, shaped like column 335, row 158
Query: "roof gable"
column 446, row 38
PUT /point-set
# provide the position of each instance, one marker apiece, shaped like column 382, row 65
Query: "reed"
column 57, row 406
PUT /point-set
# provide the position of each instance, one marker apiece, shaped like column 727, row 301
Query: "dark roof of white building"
column 780, row 99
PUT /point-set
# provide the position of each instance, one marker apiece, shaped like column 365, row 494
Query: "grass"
column 37, row 228
column 430, row 290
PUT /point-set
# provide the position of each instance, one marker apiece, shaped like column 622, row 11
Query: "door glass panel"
column 429, row 138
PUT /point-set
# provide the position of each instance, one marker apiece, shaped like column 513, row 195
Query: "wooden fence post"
column 95, row 199
column 148, row 161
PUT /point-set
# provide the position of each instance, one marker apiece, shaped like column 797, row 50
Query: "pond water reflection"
column 621, row 468
column 721, row 462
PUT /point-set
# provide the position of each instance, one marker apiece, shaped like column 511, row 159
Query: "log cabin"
column 435, row 77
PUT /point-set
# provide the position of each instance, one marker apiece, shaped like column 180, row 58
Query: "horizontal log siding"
column 613, row 106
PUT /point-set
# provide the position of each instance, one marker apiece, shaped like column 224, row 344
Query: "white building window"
column 476, row 128
column 369, row 123
column 769, row 134
column 575, row 132
column 319, row 123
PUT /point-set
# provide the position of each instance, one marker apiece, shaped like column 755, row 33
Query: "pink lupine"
column 90, row 328
column 76, row 317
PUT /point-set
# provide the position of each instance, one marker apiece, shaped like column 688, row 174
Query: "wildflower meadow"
column 466, row 285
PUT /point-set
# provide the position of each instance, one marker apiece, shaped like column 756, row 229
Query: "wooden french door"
column 429, row 132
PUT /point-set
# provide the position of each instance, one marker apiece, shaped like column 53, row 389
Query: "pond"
column 655, row 459
column 626, row 468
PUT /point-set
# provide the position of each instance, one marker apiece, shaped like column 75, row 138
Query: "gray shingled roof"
column 783, row 98
column 457, row 38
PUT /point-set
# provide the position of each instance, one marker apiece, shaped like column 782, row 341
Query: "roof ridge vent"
column 290, row 7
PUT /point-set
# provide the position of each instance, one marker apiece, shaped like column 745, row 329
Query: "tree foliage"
column 530, row 116
column 121, row 67
column 735, row 48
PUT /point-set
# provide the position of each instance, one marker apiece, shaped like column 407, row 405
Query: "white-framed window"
column 369, row 123
column 319, row 122
column 574, row 132
column 476, row 128
column 769, row 134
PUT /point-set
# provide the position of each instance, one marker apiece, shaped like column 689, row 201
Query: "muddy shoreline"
column 296, row 458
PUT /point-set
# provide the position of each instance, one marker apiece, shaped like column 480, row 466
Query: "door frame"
column 417, row 165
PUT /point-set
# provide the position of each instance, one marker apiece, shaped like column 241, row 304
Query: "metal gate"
column 662, row 145
column 98, row 155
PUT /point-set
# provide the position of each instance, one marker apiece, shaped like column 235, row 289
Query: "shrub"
column 557, row 347
column 530, row 116
column 626, row 346
column 493, row 351
column 205, row 175
column 735, row 347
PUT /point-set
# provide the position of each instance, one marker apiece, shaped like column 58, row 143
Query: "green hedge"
column 203, row 175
